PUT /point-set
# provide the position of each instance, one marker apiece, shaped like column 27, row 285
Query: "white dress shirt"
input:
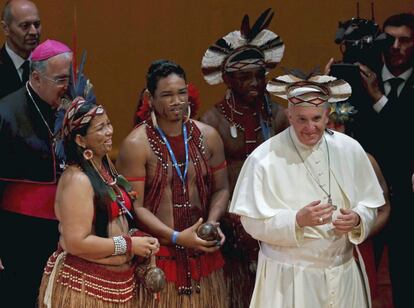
column 17, row 61
column 386, row 76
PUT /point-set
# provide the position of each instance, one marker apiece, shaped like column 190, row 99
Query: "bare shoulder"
column 74, row 196
column 136, row 138
column 73, row 176
column 207, row 130
column 134, row 152
column 212, row 138
column 212, row 117
column 74, row 183
column 135, row 145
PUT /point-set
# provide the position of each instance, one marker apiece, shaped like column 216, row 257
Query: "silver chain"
column 40, row 113
column 328, row 193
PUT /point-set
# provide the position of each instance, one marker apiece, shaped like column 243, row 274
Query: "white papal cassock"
column 306, row 267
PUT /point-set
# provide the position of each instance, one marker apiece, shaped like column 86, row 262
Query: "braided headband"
column 232, row 63
column 307, row 93
column 69, row 123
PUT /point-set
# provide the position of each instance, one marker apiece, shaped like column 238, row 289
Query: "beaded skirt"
column 80, row 283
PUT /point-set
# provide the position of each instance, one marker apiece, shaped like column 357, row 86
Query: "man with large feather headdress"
column 244, row 119
column 308, row 195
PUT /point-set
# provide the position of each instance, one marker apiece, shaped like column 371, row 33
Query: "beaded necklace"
column 249, row 123
column 112, row 179
column 173, row 158
column 180, row 198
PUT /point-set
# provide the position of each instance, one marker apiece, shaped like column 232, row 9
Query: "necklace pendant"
column 233, row 131
column 184, row 190
column 330, row 202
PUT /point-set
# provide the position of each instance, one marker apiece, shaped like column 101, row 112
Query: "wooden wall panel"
column 123, row 37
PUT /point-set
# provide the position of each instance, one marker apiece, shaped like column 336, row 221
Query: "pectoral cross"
column 330, row 202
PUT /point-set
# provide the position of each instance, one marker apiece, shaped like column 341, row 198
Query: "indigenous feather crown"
column 311, row 90
column 251, row 47
column 80, row 93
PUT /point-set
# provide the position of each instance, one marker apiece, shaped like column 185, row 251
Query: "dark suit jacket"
column 9, row 78
column 381, row 134
column 396, row 119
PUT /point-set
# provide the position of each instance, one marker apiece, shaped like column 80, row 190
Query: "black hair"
column 399, row 20
column 137, row 119
column 161, row 69
column 74, row 155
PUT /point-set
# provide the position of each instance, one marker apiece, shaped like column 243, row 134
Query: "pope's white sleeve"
column 368, row 217
column 280, row 229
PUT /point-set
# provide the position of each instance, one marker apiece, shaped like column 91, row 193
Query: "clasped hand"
column 314, row 214
column 346, row 222
column 145, row 246
column 188, row 238
column 317, row 213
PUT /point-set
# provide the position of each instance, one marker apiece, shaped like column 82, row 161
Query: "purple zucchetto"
column 48, row 49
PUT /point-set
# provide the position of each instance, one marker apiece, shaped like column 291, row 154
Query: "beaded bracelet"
column 121, row 245
column 174, row 237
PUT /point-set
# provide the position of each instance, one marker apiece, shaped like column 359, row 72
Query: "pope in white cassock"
column 308, row 195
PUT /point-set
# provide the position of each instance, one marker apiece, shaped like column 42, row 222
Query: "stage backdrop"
column 123, row 37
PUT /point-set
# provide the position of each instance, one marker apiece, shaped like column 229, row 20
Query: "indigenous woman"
column 94, row 265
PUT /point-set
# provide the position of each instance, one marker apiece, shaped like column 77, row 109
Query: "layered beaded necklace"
column 182, row 207
column 112, row 179
column 181, row 175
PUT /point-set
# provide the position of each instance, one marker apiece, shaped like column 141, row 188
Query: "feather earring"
column 154, row 119
column 188, row 113
column 153, row 116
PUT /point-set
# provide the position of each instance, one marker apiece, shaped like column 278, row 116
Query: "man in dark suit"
column 391, row 89
column 21, row 26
